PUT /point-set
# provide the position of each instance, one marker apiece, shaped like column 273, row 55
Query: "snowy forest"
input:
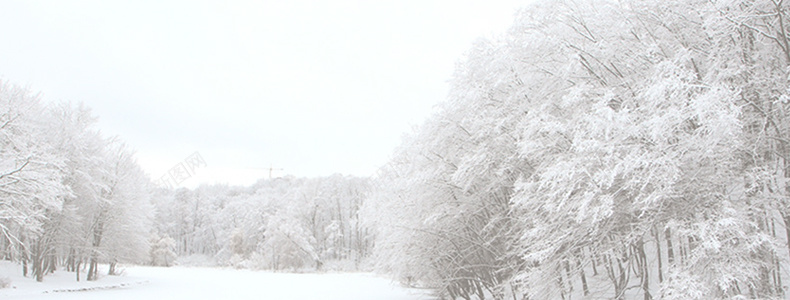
column 598, row 149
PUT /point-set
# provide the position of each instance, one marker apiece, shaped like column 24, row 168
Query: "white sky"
column 313, row 87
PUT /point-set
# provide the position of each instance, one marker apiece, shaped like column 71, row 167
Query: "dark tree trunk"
column 658, row 255
column 77, row 268
column 94, row 261
column 70, row 261
column 92, row 269
column 568, row 275
column 561, row 282
column 640, row 247
column 480, row 293
column 670, row 251
column 786, row 218
column 594, row 259
column 25, row 256
column 38, row 264
column 51, row 264
column 585, row 289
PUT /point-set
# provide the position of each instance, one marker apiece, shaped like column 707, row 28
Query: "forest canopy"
column 614, row 149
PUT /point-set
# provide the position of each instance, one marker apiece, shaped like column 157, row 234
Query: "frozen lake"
column 209, row 283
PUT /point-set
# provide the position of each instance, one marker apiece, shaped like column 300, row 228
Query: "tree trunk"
column 786, row 218
column 658, row 255
column 70, row 261
column 51, row 264
column 479, row 286
column 92, row 269
column 38, row 260
column 94, row 261
column 585, row 289
column 39, row 270
column 594, row 259
column 25, row 256
column 38, row 264
column 568, row 275
column 561, row 282
column 620, row 280
column 670, row 251
column 640, row 247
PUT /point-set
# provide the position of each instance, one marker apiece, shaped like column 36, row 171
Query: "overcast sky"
column 312, row 87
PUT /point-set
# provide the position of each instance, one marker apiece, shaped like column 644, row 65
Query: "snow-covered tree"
column 64, row 188
column 30, row 180
column 284, row 223
column 122, row 225
column 634, row 145
column 163, row 251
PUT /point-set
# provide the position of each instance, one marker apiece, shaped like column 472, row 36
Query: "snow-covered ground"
column 206, row 283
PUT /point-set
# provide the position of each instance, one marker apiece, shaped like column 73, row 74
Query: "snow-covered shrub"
column 236, row 261
column 5, row 282
column 162, row 251
column 256, row 261
column 196, row 260
column 346, row 265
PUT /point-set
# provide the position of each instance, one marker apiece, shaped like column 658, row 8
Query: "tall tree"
column 30, row 180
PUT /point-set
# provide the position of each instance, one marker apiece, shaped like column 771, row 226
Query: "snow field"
column 207, row 283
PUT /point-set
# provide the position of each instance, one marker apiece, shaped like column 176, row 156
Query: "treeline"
column 68, row 196
column 285, row 223
column 72, row 199
column 603, row 149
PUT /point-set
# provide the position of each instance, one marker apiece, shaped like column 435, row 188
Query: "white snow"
column 206, row 283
